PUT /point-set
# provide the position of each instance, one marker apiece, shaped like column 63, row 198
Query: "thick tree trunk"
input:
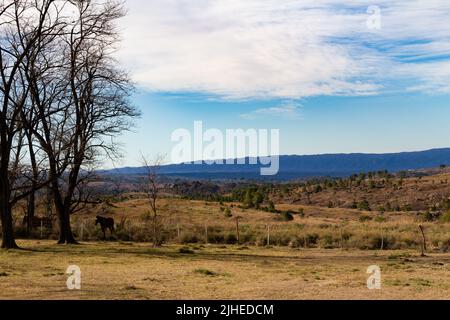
column 65, row 230
column 62, row 210
column 8, row 240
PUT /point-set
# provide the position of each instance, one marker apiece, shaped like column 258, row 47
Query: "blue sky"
column 332, row 78
column 382, row 123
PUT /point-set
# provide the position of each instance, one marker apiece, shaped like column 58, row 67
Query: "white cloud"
column 288, row 111
column 285, row 48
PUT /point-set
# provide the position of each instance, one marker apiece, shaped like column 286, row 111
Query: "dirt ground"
column 137, row 271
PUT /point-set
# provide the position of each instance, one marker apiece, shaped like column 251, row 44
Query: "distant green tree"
column 228, row 213
column 364, row 205
column 271, row 207
column 258, row 198
column 248, row 200
column 446, row 204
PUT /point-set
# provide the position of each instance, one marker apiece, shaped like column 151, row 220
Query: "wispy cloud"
column 287, row 49
column 288, row 111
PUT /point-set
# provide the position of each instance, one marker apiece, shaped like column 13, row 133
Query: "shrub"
column 380, row 219
column 228, row 213
column 445, row 246
column 327, row 242
column 186, row 250
column 188, row 237
column 364, row 205
column 280, row 239
column 205, row 272
column 296, row 243
column 261, row 241
column 446, row 217
column 286, row 216
column 301, row 212
column 312, row 239
column 121, row 234
column 271, row 207
column 430, row 216
column 230, row 238
column 346, row 236
column 216, row 237
column 375, row 243
column 365, row 218
column 247, row 238
column 407, row 207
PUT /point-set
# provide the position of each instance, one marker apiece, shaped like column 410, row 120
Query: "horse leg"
column 113, row 230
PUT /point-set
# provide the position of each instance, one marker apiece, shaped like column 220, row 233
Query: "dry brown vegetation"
column 381, row 193
column 322, row 254
column 314, row 226
column 138, row 271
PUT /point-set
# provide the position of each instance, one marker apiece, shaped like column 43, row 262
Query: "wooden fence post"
column 424, row 241
column 268, row 234
column 237, row 229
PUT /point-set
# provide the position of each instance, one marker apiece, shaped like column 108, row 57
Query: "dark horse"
column 105, row 223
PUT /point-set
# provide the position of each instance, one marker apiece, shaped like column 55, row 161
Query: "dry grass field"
column 324, row 253
column 185, row 221
column 137, row 271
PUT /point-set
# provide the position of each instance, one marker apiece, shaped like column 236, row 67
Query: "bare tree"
column 88, row 104
column 60, row 89
column 23, row 25
column 35, row 162
column 152, row 188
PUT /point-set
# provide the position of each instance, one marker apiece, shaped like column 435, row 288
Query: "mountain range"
column 298, row 167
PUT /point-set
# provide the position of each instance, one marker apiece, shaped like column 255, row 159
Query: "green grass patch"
column 186, row 250
column 205, row 272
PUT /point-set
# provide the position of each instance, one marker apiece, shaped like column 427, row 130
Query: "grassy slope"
column 328, row 224
column 418, row 193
